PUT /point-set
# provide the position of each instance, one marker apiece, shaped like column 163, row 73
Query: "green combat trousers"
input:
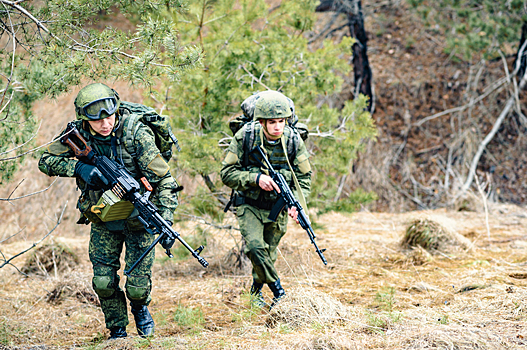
column 105, row 250
column 261, row 237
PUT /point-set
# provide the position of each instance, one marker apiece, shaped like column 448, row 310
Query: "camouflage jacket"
column 59, row 160
column 243, row 178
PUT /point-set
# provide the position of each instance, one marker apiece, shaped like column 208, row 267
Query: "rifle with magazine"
column 286, row 198
column 125, row 187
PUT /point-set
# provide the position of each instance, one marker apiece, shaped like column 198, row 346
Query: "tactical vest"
column 251, row 138
column 123, row 151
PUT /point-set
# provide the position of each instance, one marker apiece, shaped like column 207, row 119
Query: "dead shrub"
column 307, row 306
column 73, row 286
column 52, row 257
column 432, row 236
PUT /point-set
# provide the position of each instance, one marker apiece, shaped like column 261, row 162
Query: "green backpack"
column 160, row 125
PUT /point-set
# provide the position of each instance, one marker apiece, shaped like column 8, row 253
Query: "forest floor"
column 372, row 295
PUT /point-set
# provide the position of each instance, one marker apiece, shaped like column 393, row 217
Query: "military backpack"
column 299, row 130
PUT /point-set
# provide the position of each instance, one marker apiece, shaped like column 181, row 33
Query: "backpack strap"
column 132, row 126
column 292, row 144
column 248, row 142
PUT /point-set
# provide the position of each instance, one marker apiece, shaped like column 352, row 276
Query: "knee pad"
column 138, row 288
column 104, row 286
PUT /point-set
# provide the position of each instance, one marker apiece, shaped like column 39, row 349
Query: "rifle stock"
column 128, row 188
column 287, row 199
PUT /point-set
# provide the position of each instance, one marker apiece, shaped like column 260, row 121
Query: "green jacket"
column 59, row 160
column 242, row 178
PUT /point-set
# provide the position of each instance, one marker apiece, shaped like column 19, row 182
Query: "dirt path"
column 372, row 295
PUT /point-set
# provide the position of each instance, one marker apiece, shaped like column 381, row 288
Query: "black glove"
column 90, row 174
column 167, row 242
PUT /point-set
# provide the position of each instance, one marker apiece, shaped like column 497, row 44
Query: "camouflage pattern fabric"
column 271, row 106
column 242, row 179
column 107, row 239
column 261, row 235
column 58, row 160
column 105, row 250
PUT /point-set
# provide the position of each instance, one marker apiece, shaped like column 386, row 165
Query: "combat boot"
column 257, row 298
column 117, row 332
column 143, row 320
column 278, row 292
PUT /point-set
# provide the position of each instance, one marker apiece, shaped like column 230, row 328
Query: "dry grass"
column 433, row 236
column 373, row 294
column 50, row 258
column 307, row 307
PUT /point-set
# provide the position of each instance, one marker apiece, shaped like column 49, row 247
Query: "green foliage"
column 201, row 60
column 249, row 48
column 69, row 47
column 474, row 27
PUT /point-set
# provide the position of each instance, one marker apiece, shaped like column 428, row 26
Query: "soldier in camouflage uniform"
column 101, row 123
column 255, row 189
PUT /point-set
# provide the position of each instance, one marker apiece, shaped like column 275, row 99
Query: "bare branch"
column 31, row 150
column 8, row 261
column 212, row 224
column 9, row 199
column 253, row 77
column 25, row 143
column 481, row 148
column 29, row 15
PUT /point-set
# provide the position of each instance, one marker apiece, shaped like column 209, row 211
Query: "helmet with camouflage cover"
column 272, row 105
column 96, row 101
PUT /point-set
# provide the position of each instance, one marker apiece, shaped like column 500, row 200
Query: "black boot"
column 143, row 320
column 257, row 298
column 278, row 292
column 117, row 332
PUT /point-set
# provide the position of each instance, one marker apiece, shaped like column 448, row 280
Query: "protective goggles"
column 94, row 109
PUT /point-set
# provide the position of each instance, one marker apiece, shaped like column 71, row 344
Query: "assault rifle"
column 124, row 186
column 286, row 198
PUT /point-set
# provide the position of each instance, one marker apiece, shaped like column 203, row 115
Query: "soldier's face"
column 104, row 126
column 273, row 128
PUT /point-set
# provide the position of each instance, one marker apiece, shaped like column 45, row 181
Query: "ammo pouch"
column 238, row 199
column 111, row 208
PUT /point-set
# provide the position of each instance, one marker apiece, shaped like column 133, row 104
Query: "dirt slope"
column 384, row 297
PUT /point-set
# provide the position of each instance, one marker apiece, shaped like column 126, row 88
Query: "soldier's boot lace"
column 278, row 292
column 143, row 320
column 117, row 332
column 257, row 298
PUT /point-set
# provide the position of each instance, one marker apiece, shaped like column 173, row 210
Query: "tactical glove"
column 90, row 174
column 167, row 242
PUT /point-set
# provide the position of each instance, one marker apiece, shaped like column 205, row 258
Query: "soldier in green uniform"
column 101, row 123
column 255, row 191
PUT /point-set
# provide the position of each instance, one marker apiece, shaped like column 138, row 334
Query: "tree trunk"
column 361, row 65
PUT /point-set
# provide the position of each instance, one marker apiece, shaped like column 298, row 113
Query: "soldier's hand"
column 293, row 213
column 90, row 174
column 266, row 183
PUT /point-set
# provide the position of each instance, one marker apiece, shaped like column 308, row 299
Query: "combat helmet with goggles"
column 96, row 101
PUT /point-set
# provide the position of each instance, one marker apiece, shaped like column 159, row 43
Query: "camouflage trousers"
column 105, row 250
column 261, row 237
